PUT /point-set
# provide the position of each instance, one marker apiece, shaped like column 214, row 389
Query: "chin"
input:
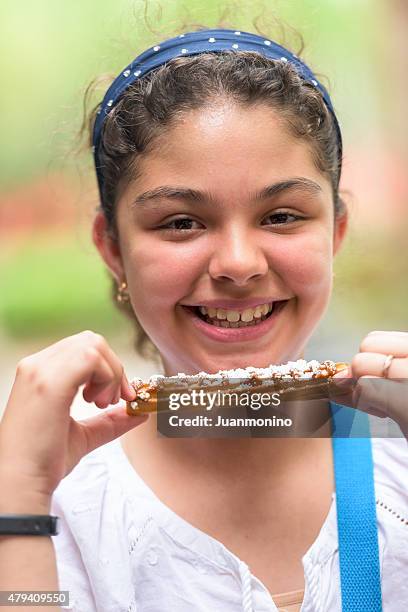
column 233, row 360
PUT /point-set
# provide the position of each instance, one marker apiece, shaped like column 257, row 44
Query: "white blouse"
column 120, row 549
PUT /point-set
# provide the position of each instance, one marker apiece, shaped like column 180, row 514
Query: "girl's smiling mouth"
column 219, row 321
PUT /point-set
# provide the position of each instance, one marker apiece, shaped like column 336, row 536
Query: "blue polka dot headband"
column 193, row 43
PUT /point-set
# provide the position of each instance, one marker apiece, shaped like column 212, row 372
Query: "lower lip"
column 235, row 334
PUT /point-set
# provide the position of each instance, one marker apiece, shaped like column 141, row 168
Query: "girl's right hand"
column 40, row 442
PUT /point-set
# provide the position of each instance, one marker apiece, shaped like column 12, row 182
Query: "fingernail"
column 342, row 374
column 131, row 390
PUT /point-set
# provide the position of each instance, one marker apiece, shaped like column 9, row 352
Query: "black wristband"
column 28, row 524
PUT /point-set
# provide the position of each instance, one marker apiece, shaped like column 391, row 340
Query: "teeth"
column 258, row 312
column 235, row 324
column 233, row 316
column 249, row 316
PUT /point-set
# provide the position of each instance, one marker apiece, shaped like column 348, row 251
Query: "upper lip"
column 237, row 305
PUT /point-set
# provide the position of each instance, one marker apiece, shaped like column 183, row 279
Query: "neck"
column 267, row 458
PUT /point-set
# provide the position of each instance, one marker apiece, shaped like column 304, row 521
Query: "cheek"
column 163, row 273
column 307, row 265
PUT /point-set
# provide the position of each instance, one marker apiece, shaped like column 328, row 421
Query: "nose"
column 238, row 258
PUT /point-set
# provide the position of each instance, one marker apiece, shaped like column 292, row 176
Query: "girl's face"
column 227, row 241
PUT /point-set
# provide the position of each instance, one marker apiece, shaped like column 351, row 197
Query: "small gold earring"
column 122, row 295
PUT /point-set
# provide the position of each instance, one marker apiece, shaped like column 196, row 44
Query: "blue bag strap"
column 356, row 511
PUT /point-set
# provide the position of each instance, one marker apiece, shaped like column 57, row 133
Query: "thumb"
column 105, row 427
column 385, row 396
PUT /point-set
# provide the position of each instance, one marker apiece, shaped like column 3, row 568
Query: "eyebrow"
column 193, row 195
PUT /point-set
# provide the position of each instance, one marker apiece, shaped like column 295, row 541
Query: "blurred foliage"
column 50, row 51
column 370, row 285
column 56, row 289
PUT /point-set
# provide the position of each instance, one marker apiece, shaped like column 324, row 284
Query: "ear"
column 108, row 247
column 340, row 230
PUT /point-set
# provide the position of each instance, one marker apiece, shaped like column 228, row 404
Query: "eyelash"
column 285, row 214
column 167, row 226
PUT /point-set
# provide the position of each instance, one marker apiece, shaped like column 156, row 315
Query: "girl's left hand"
column 376, row 389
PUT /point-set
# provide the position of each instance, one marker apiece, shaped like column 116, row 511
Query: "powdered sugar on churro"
column 294, row 370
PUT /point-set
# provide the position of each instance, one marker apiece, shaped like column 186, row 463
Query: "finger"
column 387, row 343
column 108, row 395
column 365, row 396
column 372, row 364
column 387, row 397
column 341, row 389
column 83, row 364
column 81, row 350
column 127, row 392
column 105, row 427
column 101, row 387
column 346, row 373
column 397, row 333
column 347, row 393
column 113, row 360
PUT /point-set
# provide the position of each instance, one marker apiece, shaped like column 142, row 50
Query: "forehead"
column 231, row 147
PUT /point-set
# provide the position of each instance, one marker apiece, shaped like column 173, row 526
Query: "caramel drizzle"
column 284, row 382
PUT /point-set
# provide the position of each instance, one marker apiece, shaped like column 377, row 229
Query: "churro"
column 311, row 378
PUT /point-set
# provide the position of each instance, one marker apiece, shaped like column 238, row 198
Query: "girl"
column 218, row 156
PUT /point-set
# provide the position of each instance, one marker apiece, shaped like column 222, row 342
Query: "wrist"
column 24, row 504
column 20, row 497
column 28, row 524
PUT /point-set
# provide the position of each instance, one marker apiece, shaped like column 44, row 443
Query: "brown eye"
column 281, row 218
column 181, row 224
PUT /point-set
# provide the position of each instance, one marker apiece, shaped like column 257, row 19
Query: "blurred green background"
column 52, row 281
